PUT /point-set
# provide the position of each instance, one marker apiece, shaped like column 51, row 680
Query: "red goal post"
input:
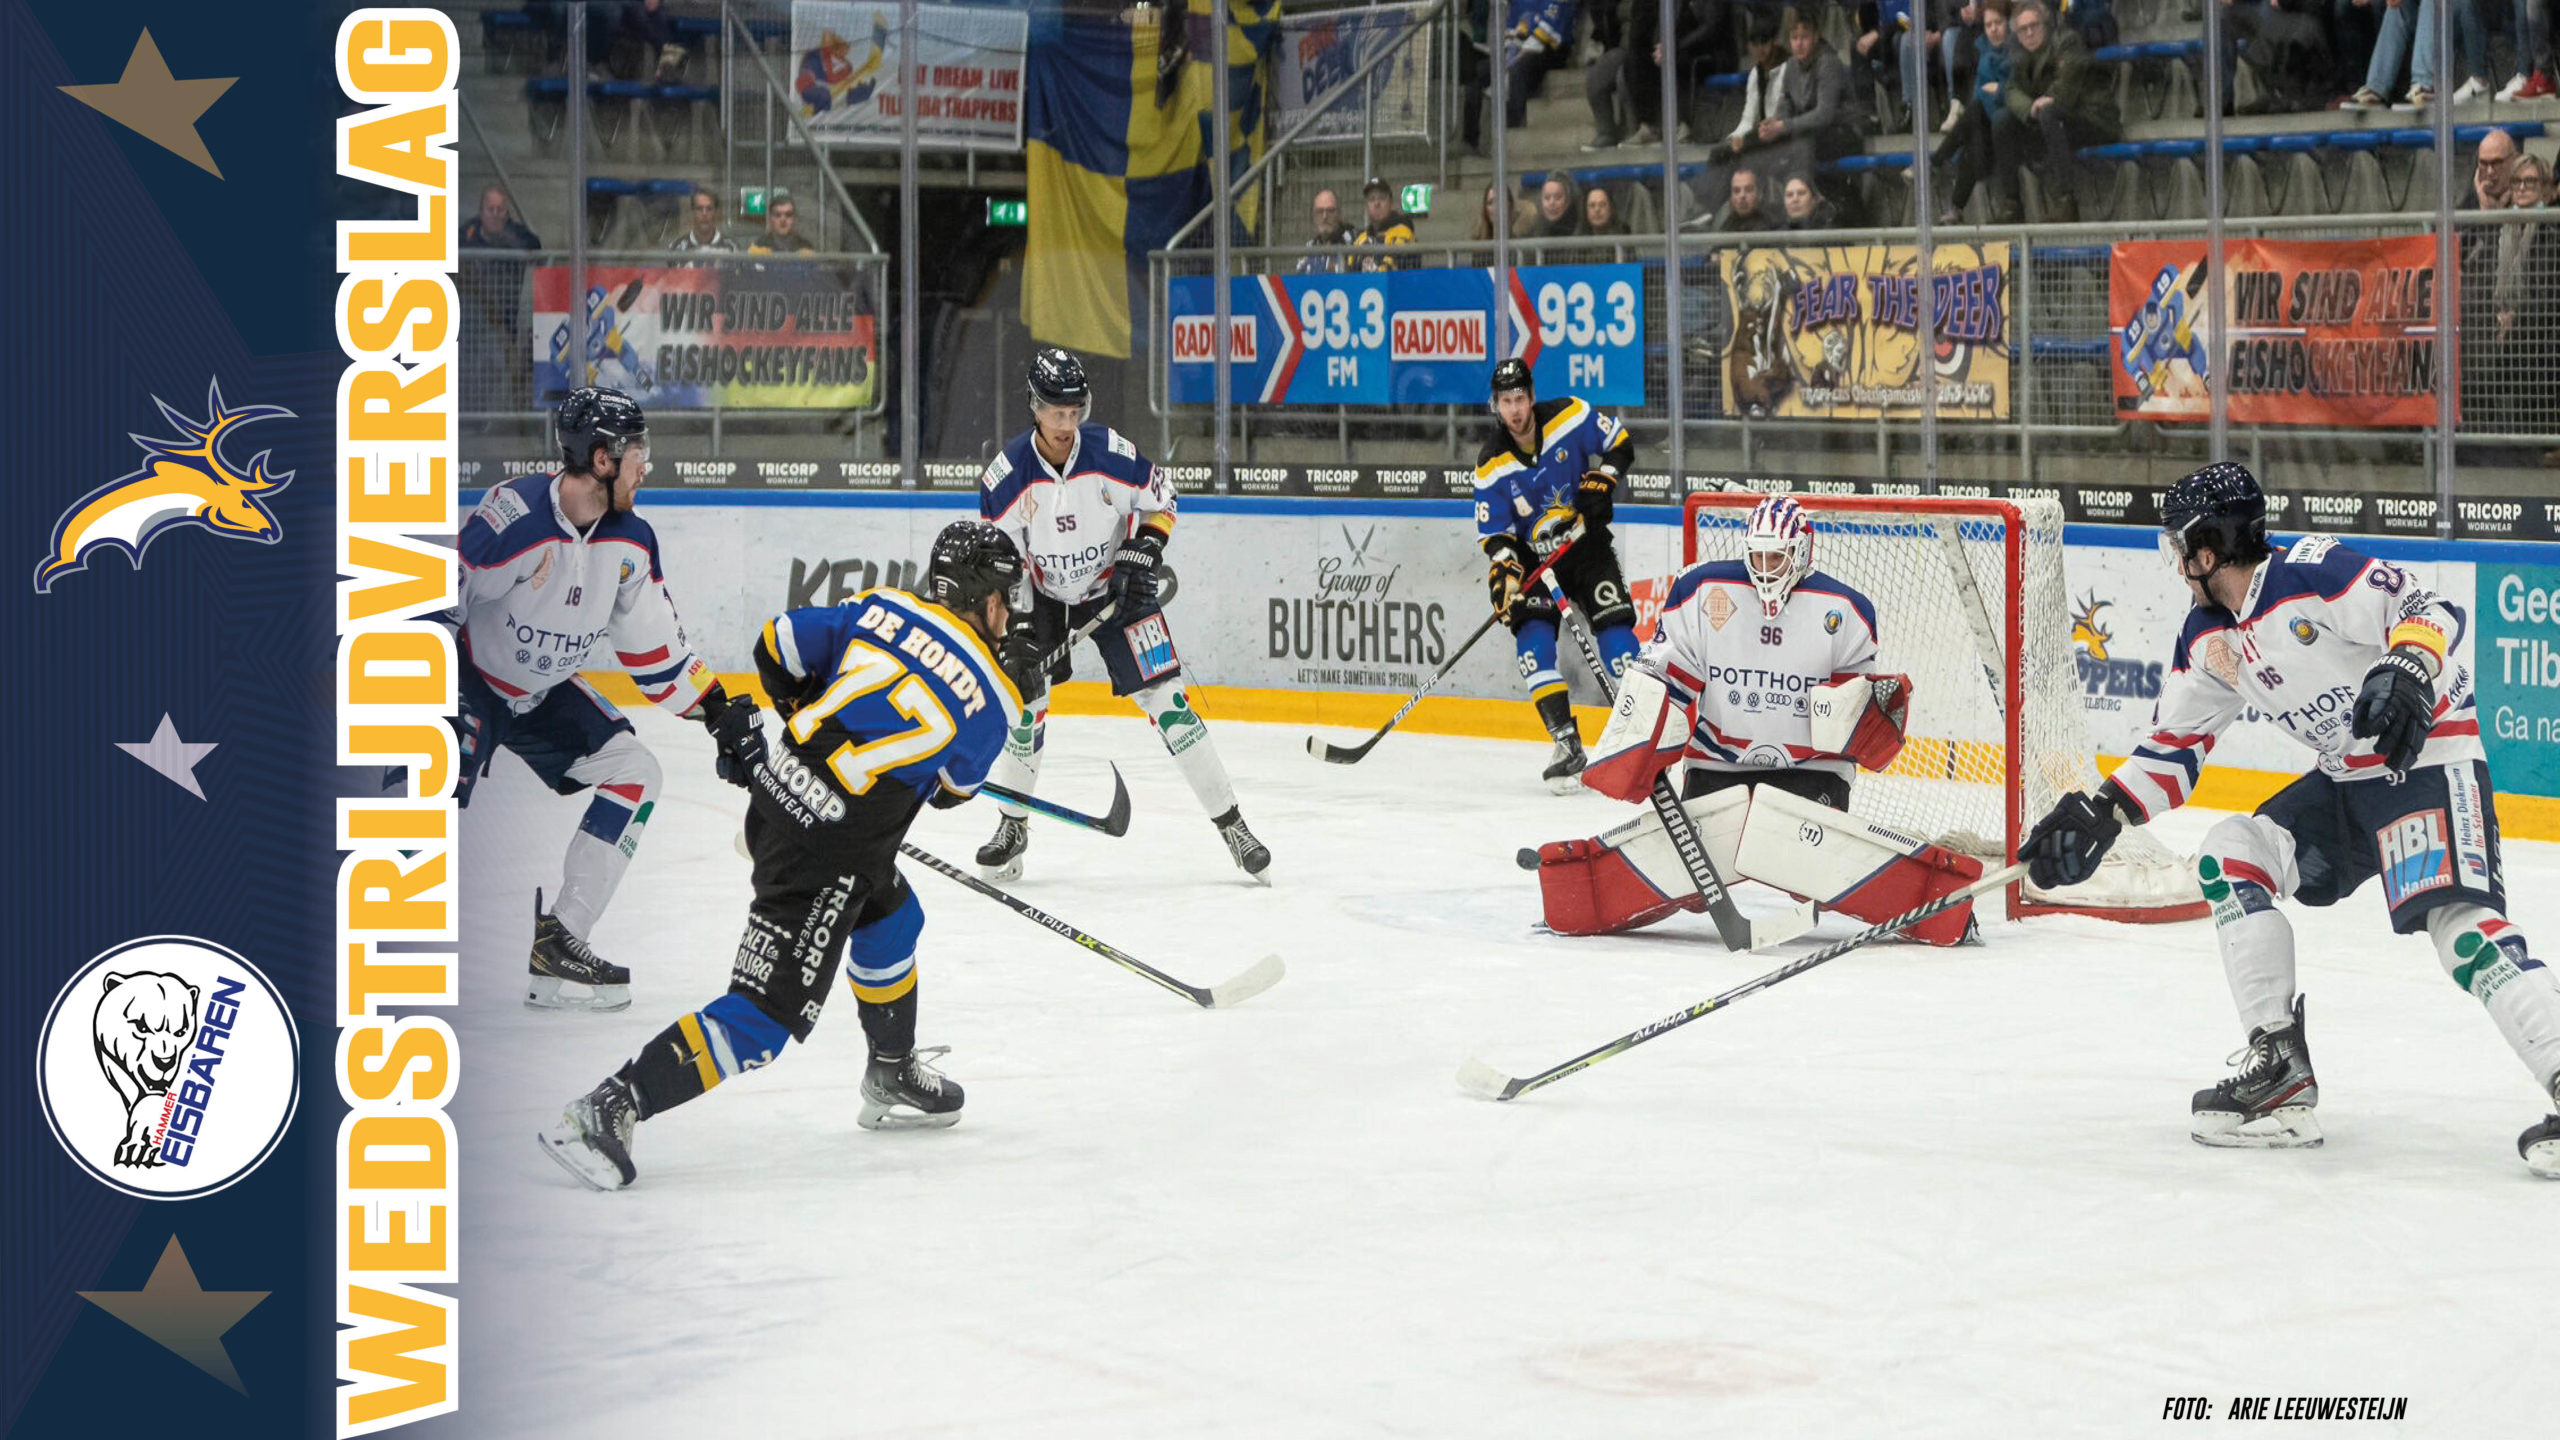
column 1970, row 602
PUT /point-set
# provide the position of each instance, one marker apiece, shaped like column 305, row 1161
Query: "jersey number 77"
column 866, row 670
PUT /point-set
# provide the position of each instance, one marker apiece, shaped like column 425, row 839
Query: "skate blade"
column 2543, row 1159
column 1566, row 784
column 2291, row 1127
column 580, row 1159
column 1004, row 874
column 1261, row 877
column 550, row 992
column 900, row 1117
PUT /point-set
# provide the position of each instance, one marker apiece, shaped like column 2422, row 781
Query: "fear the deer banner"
column 1834, row 332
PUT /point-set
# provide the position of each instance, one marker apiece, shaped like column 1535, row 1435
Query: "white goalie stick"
column 1477, row 1078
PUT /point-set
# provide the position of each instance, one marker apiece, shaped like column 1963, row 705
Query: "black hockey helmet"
column 2219, row 508
column 593, row 416
column 1057, row 378
column 971, row 560
column 1512, row 374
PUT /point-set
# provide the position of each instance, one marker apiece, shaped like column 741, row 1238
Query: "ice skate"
column 1564, row 768
column 907, row 1094
column 593, row 1138
column 1251, row 855
column 1000, row 859
column 2268, row 1104
column 561, row 958
column 2540, row 1146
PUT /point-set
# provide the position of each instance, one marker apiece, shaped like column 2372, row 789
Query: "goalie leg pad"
column 1631, row 876
column 1846, row 864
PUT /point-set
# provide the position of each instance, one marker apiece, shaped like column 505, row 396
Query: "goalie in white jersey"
column 2355, row 659
column 1091, row 517
column 1760, row 683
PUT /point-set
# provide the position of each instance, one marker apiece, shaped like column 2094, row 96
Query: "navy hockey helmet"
column 593, row 416
column 971, row 560
column 1057, row 378
column 2218, row 508
column 1512, row 374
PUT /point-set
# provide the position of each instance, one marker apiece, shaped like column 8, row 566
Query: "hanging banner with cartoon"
column 969, row 62
column 1833, row 332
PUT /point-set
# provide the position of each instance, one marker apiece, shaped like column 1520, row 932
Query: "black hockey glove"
column 1021, row 656
column 1597, row 496
column 2397, row 706
column 734, row 731
column 2067, row 844
column 1133, row 574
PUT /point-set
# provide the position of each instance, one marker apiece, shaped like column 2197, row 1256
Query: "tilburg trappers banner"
column 969, row 61
column 763, row 333
column 1833, row 332
column 1411, row 337
column 2323, row 332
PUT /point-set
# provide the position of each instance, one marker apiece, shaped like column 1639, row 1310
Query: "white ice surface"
column 1915, row 1192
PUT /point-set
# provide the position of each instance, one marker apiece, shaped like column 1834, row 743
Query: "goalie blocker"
column 1631, row 876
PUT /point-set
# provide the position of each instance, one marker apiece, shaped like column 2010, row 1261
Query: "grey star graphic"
column 169, row 755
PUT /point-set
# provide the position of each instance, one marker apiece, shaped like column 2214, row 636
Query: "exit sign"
column 1013, row 213
column 1417, row 199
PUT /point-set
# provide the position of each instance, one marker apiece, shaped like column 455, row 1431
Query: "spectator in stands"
column 2533, row 53
column 1970, row 146
column 1811, row 114
column 1704, row 33
column 644, row 26
column 1743, row 212
column 2287, row 43
column 1764, row 52
column 1475, row 70
column 1806, row 207
column 1329, row 232
column 706, row 233
column 2492, row 171
column 1539, row 40
column 1484, row 219
column 1600, row 213
column 1387, row 226
column 781, row 231
column 496, row 227
column 1887, row 29
column 1604, row 86
column 2055, row 101
column 494, row 352
column 1555, row 209
column 2392, row 47
column 2522, row 301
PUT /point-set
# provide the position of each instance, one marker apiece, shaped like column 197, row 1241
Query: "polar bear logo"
column 145, row 1022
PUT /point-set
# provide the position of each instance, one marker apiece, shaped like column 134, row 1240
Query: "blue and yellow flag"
column 1113, row 174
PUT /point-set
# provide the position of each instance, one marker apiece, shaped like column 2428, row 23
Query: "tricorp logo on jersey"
column 182, row 482
column 2415, row 858
column 169, row 1067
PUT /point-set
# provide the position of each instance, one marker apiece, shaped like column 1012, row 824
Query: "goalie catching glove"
column 1862, row 717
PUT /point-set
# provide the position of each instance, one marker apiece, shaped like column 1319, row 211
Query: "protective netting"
column 1942, row 586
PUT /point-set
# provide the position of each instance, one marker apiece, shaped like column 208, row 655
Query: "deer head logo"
column 182, row 482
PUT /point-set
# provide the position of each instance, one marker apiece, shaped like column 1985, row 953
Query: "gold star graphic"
column 157, row 105
column 182, row 1315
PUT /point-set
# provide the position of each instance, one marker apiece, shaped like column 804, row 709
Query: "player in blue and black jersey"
column 1548, row 476
column 890, row 702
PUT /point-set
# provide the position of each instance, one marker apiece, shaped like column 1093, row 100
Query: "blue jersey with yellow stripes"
column 1513, row 490
column 890, row 687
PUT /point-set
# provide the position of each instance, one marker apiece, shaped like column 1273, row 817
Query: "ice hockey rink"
column 1915, row 1192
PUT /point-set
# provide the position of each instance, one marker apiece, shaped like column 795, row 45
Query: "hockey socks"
column 692, row 1056
column 2485, row 954
column 2245, row 866
column 1186, row 739
column 626, row 780
column 1018, row 768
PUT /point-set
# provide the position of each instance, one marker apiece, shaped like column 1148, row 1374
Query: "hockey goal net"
column 1971, row 604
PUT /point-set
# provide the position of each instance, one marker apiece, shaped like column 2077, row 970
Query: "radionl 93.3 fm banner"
column 763, row 333
column 1411, row 337
column 2322, row 332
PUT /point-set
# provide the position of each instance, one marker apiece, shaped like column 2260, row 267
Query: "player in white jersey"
column 1091, row 517
column 1760, row 683
column 558, row 575
column 2355, row 659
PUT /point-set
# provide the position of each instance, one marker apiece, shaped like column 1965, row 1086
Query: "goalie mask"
column 1777, row 551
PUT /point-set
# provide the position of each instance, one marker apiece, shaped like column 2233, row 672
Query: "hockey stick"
column 1261, row 975
column 1115, row 824
column 1731, row 928
column 1353, row 755
column 1477, row 1078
